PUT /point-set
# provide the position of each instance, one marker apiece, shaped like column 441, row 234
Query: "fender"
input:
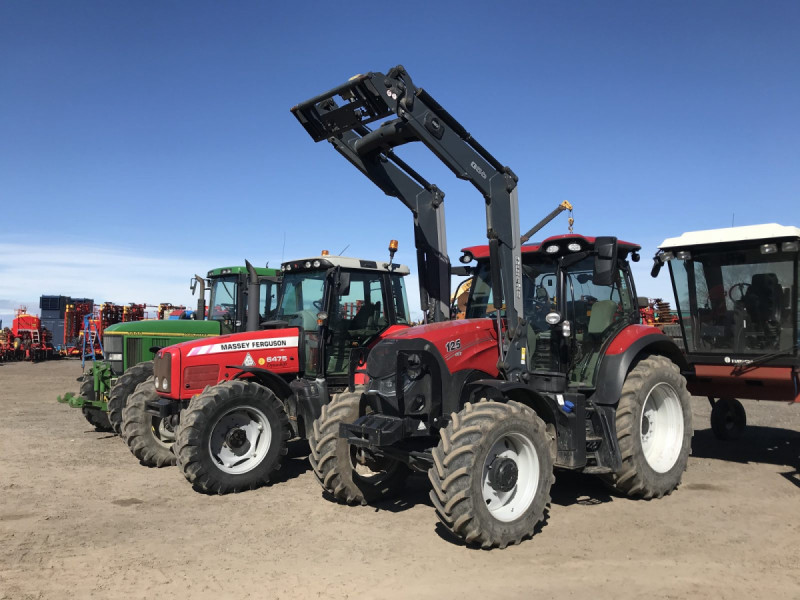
column 519, row 392
column 266, row 378
column 569, row 428
column 621, row 353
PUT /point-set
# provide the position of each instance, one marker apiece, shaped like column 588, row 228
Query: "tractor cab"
column 339, row 304
column 570, row 311
column 228, row 298
column 737, row 297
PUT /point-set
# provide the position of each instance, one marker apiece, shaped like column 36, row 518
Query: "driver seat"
column 763, row 300
column 602, row 318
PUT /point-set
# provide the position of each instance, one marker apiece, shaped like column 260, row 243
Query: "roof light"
column 552, row 249
column 665, row 256
column 790, row 246
column 307, row 264
column 466, row 258
column 573, row 247
column 317, row 263
column 392, row 245
column 324, row 253
column 684, row 255
column 287, row 267
column 769, row 248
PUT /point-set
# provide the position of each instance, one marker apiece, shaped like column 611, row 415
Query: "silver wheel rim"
column 661, row 427
column 162, row 433
column 510, row 505
column 256, row 437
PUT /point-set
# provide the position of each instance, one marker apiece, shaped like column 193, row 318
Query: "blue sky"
column 144, row 141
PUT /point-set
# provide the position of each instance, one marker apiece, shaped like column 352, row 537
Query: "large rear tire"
column 492, row 473
column 96, row 417
column 728, row 419
column 148, row 437
column 123, row 388
column 232, row 437
column 654, row 429
column 347, row 473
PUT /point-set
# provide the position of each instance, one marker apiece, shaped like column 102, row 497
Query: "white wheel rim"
column 510, row 505
column 254, row 425
column 661, row 427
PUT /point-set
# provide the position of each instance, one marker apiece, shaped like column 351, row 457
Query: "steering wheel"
column 317, row 304
column 742, row 287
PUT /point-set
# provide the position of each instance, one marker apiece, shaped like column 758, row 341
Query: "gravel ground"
column 81, row 518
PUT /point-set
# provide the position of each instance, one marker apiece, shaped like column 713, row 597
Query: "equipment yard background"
column 80, row 518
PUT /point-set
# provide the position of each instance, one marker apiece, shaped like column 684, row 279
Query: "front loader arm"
column 368, row 98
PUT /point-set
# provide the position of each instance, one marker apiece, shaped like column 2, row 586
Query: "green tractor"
column 128, row 348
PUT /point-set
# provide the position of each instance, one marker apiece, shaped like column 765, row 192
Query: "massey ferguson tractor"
column 737, row 294
column 236, row 400
column 550, row 369
column 129, row 346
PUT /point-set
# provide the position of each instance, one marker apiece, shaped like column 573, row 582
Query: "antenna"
column 733, row 218
column 283, row 248
column 343, row 249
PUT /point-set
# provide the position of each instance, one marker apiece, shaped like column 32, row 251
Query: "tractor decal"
column 279, row 342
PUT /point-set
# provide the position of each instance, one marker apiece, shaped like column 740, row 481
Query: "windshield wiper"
column 742, row 368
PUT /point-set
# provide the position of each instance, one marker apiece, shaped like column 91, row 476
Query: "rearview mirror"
column 605, row 260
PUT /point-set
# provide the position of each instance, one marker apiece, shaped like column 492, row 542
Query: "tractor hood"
column 185, row 369
column 465, row 343
column 164, row 327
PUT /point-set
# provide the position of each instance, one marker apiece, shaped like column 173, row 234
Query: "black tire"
column 96, row 417
column 465, row 457
column 657, row 379
column 333, row 459
column 147, row 439
column 202, row 426
column 728, row 419
column 124, row 387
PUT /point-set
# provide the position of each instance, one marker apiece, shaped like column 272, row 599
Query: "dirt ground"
column 80, row 518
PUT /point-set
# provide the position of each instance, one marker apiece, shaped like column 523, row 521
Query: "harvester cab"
column 551, row 368
column 737, row 295
column 244, row 395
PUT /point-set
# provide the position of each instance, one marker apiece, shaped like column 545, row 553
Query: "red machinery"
column 26, row 340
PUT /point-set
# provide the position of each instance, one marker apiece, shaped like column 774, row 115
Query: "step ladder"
column 91, row 338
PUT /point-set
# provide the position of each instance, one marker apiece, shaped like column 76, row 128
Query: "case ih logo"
column 262, row 344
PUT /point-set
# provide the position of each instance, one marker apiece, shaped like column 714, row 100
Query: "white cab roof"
column 347, row 262
column 731, row 234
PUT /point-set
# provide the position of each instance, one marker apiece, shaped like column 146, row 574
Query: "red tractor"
column 233, row 402
column 550, row 369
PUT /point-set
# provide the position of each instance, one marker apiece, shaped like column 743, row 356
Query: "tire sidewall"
column 254, row 396
column 669, row 479
column 484, row 443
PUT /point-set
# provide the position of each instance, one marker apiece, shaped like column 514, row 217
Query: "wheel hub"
column 503, row 473
column 236, row 440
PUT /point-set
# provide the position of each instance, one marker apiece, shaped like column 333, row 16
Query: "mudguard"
column 630, row 343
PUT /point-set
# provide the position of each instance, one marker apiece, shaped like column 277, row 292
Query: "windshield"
column 301, row 298
column 538, row 292
column 737, row 300
column 222, row 305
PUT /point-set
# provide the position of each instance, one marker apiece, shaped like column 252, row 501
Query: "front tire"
column 654, row 429
column 147, row 436
column 728, row 419
column 232, row 437
column 347, row 473
column 123, row 388
column 492, row 473
column 96, row 417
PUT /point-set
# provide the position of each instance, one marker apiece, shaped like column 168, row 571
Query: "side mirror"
column 343, row 284
column 656, row 266
column 605, row 261
column 643, row 301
